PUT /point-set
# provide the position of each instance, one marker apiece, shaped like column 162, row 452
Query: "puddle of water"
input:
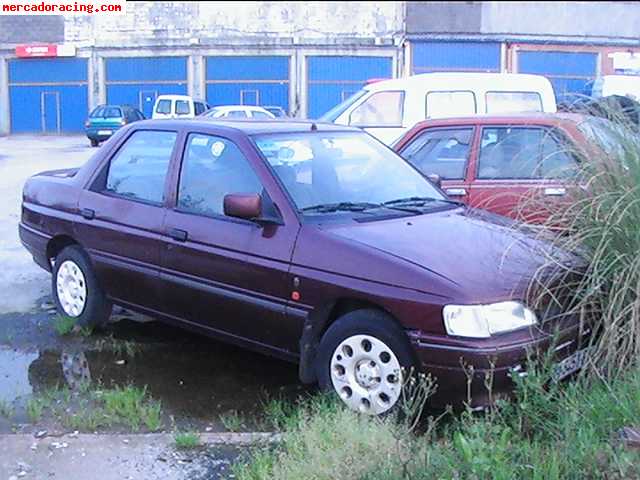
column 195, row 379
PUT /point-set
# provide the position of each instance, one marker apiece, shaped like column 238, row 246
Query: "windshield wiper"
column 341, row 206
column 418, row 201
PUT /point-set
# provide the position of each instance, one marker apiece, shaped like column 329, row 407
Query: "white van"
column 623, row 85
column 388, row 108
column 178, row 106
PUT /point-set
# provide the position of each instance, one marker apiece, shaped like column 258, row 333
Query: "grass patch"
column 117, row 346
column 88, row 409
column 232, row 421
column 565, row 432
column 64, row 324
column 187, row 440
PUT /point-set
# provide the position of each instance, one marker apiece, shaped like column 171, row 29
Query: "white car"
column 388, row 108
column 178, row 106
column 623, row 85
column 239, row 111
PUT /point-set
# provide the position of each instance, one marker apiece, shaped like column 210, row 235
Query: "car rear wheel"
column 363, row 357
column 76, row 291
column 94, row 143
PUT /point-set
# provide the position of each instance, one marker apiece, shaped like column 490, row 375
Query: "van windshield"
column 336, row 111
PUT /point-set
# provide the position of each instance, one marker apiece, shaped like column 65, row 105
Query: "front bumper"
column 466, row 372
column 99, row 134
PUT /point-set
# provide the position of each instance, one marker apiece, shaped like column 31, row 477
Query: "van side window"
column 450, row 104
column 382, row 109
column 509, row 102
column 164, row 107
column 182, row 107
column 442, row 151
column 199, row 108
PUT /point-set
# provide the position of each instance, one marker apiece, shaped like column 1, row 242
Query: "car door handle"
column 178, row 235
column 555, row 191
column 455, row 192
column 88, row 213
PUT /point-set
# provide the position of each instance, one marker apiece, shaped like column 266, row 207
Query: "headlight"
column 481, row 321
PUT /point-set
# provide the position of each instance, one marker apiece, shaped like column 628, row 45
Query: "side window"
column 199, row 107
column 213, row 167
column 259, row 114
column 164, row 107
column 508, row 102
column 235, row 114
column 382, row 109
column 441, row 151
column 182, row 107
column 139, row 168
column 450, row 104
column 523, row 153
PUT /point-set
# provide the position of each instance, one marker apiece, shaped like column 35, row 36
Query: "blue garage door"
column 455, row 57
column 333, row 79
column 248, row 80
column 138, row 81
column 569, row 72
column 48, row 95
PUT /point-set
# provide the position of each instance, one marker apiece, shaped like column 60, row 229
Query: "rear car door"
column 443, row 151
column 122, row 217
column 226, row 274
column 522, row 171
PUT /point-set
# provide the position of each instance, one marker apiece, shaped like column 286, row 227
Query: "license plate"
column 571, row 364
column 104, row 132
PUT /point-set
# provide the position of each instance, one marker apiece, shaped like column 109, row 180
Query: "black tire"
column 97, row 308
column 94, row 143
column 370, row 322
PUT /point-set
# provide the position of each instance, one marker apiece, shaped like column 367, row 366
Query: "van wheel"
column 94, row 143
column 362, row 358
column 76, row 291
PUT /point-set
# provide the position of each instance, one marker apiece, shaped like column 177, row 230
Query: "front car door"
column 443, row 151
column 522, row 171
column 123, row 214
column 227, row 275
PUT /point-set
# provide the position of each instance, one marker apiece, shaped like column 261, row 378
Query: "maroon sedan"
column 314, row 243
column 521, row 166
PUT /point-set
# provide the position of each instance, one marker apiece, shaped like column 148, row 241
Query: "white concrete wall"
column 248, row 22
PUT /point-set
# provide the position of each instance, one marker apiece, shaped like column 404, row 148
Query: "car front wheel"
column 76, row 291
column 362, row 358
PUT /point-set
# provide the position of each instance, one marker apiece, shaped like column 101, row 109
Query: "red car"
column 314, row 243
column 520, row 166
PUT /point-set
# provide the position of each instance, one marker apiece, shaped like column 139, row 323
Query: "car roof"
column 516, row 118
column 237, row 107
column 247, row 126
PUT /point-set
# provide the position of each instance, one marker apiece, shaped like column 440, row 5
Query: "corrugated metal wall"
column 138, row 81
column 455, row 56
column 331, row 79
column 569, row 72
column 248, row 80
column 48, row 95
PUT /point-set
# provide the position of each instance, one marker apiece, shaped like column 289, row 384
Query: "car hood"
column 481, row 256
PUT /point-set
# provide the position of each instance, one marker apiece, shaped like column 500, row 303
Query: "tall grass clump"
column 598, row 222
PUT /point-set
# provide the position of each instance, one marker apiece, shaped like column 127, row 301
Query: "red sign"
column 28, row 51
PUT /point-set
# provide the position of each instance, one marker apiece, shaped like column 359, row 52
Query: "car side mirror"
column 249, row 206
column 435, row 179
column 246, row 206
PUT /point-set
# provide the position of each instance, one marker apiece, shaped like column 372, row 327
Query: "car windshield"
column 344, row 171
column 336, row 111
